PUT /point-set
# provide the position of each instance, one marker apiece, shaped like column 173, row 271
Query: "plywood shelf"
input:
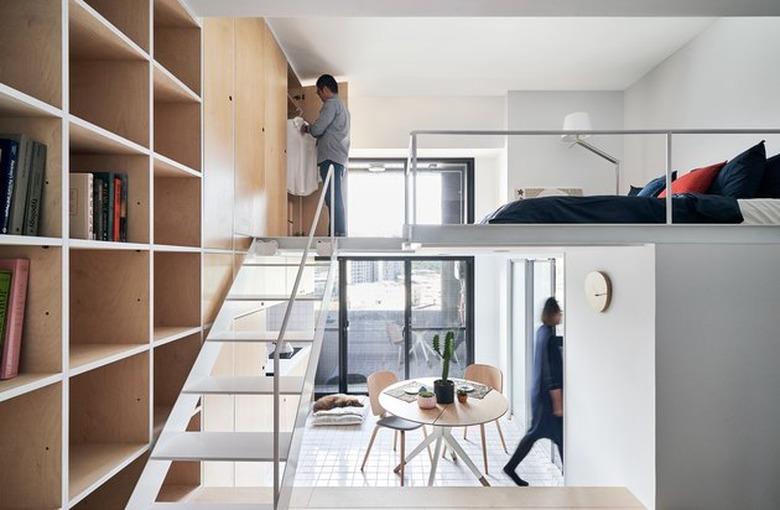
column 93, row 37
column 167, row 334
column 25, row 383
column 90, row 244
column 86, row 357
column 14, row 103
column 88, row 138
column 9, row 240
column 31, row 446
column 166, row 167
column 91, row 465
column 109, row 422
column 169, row 89
column 116, row 491
column 172, row 363
column 173, row 248
column 131, row 17
column 177, row 132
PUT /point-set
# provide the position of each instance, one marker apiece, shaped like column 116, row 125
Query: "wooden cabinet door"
column 276, row 137
column 251, row 187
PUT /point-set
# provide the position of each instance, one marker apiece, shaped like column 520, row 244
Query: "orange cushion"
column 698, row 180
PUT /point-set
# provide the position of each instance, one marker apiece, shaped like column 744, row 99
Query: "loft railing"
column 410, row 177
column 283, row 485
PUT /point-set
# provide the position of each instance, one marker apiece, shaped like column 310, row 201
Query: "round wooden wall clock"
column 598, row 290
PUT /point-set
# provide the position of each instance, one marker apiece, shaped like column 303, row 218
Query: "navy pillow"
column 770, row 185
column 633, row 191
column 741, row 177
column 656, row 186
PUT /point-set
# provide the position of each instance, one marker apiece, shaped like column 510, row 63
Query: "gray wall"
column 717, row 377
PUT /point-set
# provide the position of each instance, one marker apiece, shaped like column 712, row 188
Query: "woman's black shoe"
column 511, row 474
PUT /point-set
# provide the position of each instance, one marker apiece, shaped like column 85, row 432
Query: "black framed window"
column 445, row 194
column 389, row 310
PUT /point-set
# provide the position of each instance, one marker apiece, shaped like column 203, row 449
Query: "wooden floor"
column 423, row 498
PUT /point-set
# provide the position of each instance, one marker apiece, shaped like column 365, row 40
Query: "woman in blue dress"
column 546, row 391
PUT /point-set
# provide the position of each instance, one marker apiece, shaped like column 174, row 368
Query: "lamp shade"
column 577, row 121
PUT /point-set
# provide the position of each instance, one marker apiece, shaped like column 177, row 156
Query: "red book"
column 14, row 317
column 117, row 206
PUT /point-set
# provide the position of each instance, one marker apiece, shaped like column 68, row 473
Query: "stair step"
column 272, row 297
column 193, row 505
column 220, row 446
column 293, row 337
column 244, row 386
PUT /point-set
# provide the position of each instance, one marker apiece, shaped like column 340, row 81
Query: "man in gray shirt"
column 331, row 129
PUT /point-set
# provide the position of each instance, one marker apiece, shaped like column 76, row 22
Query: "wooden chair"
column 489, row 376
column 377, row 382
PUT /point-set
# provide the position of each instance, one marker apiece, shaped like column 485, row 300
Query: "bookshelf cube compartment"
column 48, row 131
column 138, row 198
column 131, row 17
column 176, row 290
column 177, row 132
column 177, row 42
column 182, row 478
column 31, row 48
column 41, row 349
column 109, row 422
column 116, row 492
column 109, row 306
column 31, row 442
column 113, row 95
column 172, row 364
column 177, row 211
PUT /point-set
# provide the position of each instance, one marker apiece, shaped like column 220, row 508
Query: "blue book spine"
column 10, row 151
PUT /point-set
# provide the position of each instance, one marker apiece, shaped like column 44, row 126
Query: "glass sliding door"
column 389, row 309
column 440, row 302
column 375, row 305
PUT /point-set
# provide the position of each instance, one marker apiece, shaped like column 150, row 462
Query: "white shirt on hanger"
column 302, row 175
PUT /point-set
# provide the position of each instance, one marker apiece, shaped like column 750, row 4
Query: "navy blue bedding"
column 687, row 208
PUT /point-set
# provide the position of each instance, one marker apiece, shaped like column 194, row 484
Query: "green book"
column 5, row 288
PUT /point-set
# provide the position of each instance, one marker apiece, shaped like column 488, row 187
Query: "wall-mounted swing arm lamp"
column 580, row 121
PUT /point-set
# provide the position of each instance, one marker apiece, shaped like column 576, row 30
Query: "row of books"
column 98, row 206
column 22, row 174
column 14, row 274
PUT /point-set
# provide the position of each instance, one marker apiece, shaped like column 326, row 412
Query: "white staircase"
column 245, row 316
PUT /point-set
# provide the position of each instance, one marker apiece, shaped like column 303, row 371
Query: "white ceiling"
column 481, row 56
column 293, row 8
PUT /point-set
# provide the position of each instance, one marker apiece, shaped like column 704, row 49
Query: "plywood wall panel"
column 250, row 96
column 276, row 137
column 219, row 137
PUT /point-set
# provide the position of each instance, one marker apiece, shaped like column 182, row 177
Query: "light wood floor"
column 450, row 498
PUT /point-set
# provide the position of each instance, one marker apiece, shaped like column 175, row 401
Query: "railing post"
column 669, row 219
column 332, row 204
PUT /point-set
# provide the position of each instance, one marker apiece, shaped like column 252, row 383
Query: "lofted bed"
column 706, row 215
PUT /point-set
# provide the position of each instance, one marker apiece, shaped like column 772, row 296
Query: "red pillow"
column 695, row 181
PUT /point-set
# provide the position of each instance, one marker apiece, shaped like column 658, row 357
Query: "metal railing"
column 282, row 488
column 410, row 177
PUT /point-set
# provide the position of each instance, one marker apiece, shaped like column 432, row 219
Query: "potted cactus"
column 444, row 387
column 426, row 399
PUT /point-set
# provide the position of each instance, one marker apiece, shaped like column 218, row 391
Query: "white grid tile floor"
column 331, row 457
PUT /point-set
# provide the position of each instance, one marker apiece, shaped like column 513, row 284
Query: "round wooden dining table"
column 443, row 418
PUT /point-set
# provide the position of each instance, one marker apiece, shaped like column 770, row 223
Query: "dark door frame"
column 467, row 177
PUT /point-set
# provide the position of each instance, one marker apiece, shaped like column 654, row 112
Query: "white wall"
column 610, row 373
column 547, row 161
column 381, row 126
column 727, row 77
column 385, row 122
column 717, row 356
column 490, row 310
